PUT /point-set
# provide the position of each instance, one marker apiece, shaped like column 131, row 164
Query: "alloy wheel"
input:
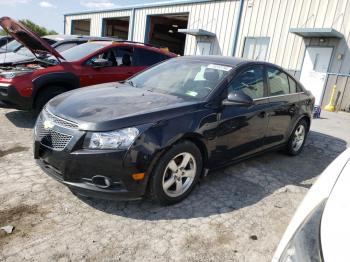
column 179, row 174
column 299, row 137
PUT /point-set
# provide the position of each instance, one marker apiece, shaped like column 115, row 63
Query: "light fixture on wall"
column 322, row 40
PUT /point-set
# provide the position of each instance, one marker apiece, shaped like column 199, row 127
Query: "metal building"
column 310, row 38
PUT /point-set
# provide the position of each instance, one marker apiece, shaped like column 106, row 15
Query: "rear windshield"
column 81, row 51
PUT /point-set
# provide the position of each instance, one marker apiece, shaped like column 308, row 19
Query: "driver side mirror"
column 100, row 63
column 238, row 99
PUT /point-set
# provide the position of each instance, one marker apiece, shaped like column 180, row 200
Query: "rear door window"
column 125, row 56
column 144, row 57
column 278, row 82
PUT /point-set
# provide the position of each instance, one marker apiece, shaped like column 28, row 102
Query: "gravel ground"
column 236, row 214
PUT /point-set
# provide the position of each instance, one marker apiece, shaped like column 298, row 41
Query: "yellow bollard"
column 330, row 106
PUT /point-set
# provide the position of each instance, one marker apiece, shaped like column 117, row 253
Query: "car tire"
column 45, row 96
column 297, row 139
column 176, row 173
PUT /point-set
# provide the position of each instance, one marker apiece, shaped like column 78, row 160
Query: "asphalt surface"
column 236, row 214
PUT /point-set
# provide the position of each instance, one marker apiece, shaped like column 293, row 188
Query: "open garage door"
column 116, row 27
column 163, row 31
column 81, row 27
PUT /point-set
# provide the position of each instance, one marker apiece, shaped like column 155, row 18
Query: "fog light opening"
column 101, row 181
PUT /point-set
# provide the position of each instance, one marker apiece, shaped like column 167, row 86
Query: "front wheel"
column 176, row 173
column 297, row 139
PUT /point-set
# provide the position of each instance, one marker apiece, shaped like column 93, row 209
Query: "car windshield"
column 189, row 79
column 11, row 46
column 80, row 51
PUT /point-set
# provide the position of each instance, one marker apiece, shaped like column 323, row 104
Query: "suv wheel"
column 297, row 139
column 45, row 96
column 176, row 173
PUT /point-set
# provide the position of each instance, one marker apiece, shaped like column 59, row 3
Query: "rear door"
column 145, row 58
column 283, row 106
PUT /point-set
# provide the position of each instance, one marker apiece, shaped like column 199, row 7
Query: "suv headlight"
column 305, row 244
column 13, row 74
column 119, row 139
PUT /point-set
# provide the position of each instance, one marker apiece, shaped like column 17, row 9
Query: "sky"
column 49, row 13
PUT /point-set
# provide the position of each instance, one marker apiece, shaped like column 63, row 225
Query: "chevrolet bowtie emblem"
column 48, row 124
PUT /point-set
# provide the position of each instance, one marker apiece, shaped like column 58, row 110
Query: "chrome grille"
column 60, row 121
column 47, row 135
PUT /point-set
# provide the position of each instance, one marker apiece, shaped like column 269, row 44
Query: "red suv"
column 29, row 85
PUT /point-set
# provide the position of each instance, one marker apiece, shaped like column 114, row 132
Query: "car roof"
column 131, row 43
column 78, row 37
column 224, row 60
column 229, row 61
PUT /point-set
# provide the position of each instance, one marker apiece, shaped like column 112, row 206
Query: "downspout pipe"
column 237, row 27
column 64, row 24
column 132, row 25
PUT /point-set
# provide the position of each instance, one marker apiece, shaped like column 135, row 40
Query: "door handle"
column 292, row 109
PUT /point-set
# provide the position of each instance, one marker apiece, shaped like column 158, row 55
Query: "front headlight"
column 11, row 75
column 306, row 243
column 119, row 139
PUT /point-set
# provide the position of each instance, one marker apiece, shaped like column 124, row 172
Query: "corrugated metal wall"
column 274, row 18
column 96, row 20
column 260, row 18
column 217, row 17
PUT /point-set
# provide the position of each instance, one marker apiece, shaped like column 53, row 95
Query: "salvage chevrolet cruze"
column 158, row 132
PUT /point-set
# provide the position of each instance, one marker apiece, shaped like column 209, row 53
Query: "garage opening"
column 163, row 31
column 81, row 27
column 116, row 27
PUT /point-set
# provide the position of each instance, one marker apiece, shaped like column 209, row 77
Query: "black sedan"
column 157, row 133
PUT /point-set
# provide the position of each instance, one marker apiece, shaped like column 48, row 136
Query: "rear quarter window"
column 292, row 86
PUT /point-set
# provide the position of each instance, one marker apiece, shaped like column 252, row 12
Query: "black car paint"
column 224, row 134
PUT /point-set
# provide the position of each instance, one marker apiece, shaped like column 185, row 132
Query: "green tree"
column 40, row 30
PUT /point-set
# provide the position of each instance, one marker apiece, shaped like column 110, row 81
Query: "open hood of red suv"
column 27, row 38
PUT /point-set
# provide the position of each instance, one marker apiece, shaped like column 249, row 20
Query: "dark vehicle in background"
column 30, row 84
column 12, row 46
column 59, row 42
column 4, row 41
column 159, row 131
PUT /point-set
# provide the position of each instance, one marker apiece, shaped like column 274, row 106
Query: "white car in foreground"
column 320, row 228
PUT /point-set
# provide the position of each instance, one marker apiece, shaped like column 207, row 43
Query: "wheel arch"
column 64, row 79
column 303, row 116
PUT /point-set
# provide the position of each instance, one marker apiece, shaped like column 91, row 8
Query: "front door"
column 314, row 70
column 241, row 129
column 121, row 67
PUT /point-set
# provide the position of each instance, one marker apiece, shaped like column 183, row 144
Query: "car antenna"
column 7, row 40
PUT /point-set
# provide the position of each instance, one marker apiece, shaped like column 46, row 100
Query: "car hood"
column 335, row 220
column 112, row 106
column 27, row 38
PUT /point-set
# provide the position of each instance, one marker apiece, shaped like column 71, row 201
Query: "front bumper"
column 11, row 98
column 75, row 167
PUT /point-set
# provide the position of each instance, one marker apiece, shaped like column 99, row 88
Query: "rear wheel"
column 176, row 173
column 45, row 96
column 297, row 139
